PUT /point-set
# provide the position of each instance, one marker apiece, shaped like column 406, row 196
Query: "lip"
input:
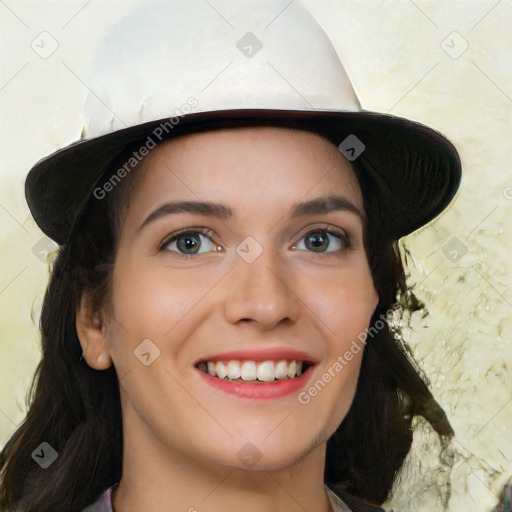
column 258, row 355
column 258, row 390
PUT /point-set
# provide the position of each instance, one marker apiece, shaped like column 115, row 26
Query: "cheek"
column 148, row 304
column 344, row 302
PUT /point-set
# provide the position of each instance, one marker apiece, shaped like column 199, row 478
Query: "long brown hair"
column 77, row 410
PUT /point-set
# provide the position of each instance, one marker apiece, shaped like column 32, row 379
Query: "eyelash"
column 345, row 239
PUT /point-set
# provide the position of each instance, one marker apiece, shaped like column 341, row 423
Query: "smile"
column 253, row 371
column 257, row 372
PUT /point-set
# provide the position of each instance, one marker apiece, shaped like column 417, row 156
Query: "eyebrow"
column 318, row 206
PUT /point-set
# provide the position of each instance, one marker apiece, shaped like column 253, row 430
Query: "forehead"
column 252, row 160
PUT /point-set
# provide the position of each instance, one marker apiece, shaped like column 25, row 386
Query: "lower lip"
column 276, row 389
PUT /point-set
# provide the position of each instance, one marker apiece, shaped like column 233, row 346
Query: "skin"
column 181, row 436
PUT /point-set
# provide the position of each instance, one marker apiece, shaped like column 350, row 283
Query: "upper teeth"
column 266, row 371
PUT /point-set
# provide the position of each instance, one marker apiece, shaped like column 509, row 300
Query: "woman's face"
column 265, row 284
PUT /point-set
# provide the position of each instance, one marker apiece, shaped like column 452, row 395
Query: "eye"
column 189, row 242
column 319, row 240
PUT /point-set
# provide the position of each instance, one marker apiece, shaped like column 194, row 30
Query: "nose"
column 262, row 292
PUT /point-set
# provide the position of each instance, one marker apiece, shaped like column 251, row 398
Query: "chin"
column 265, row 452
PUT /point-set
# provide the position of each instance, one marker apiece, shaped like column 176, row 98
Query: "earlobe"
column 91, row 335
column 96, row 321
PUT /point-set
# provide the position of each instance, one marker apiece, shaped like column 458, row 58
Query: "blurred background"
column 443, row 63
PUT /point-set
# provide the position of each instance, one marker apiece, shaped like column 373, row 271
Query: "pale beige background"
column 403, row 58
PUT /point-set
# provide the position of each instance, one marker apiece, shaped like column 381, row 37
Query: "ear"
column 90, row 327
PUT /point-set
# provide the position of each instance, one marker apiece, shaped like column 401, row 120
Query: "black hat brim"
column 418, row 167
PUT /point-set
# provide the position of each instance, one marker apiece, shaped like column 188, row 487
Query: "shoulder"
column 102, row 504
column 341, row 501
column 336, row 502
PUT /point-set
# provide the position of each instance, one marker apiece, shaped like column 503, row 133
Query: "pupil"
column 317, row 238
column 191, row 242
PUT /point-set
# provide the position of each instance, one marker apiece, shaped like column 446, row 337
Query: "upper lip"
column 261, row 354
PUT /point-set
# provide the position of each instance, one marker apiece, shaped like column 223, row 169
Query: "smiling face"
column 278, row 274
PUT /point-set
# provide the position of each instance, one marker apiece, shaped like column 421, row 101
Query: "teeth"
column 248, row 371
column 220, row 370
column 292, row 369
column 281, row 371
column 233, row 370
column 265, row 371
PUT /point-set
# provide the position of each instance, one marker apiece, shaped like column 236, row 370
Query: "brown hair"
column 77, row 409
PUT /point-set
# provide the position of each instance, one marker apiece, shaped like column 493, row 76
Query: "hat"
column 183, row 66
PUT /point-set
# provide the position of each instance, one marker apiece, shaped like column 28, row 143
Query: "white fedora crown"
column 177, row 56
column 180, row 66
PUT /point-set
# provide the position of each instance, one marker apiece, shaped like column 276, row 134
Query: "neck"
column 162, row 479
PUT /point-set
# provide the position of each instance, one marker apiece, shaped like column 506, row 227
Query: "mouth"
column 237, row 370
column 257, row 373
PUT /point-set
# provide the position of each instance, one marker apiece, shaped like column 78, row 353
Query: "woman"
column 218, row 328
